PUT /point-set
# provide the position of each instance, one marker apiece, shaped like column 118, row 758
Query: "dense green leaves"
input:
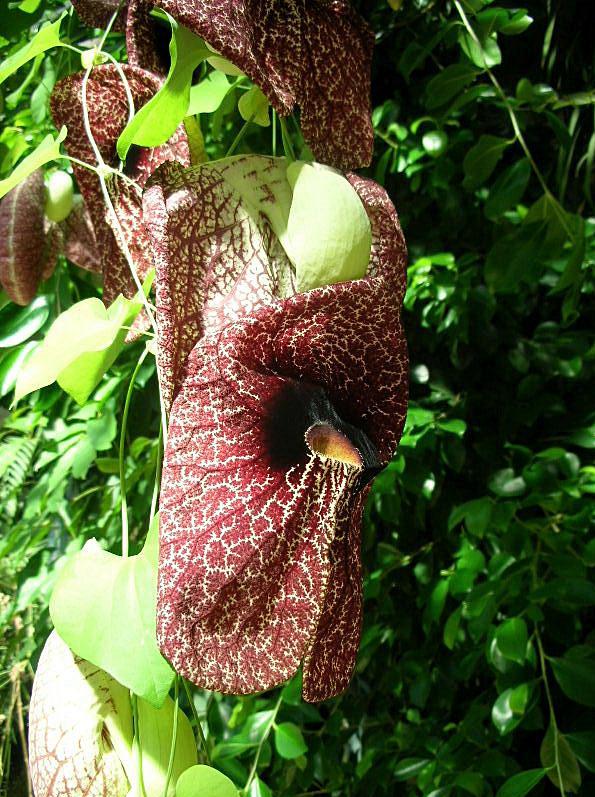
column 559, row 760
column 575, row 672
column 448, row 83
column 482, row 158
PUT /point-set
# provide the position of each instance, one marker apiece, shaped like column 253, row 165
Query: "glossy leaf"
column 18, row 326
column 10, row 365
column 512, row 637
column 521, row 784
column 509, row 708
column 289, row 741
column 409, row 767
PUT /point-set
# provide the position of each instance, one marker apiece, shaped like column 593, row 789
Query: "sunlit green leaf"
column 254, row 107
column 203, row 781
column 207, row 96
column 156, row 121
column 79, row 347
column 103, row 606
column 47, row 37
column 48, row 150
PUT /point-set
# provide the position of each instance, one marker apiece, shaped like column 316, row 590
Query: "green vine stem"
column 287, row 145
column 121, row 463
column 515, row 123
column 238, row 139
column 274, row 133
column 199, row 729
column 137, row 745
column 550, row 702
column 263, row 739
column 174, row 734
column 157, row 482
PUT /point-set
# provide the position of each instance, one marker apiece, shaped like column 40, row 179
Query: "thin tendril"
column 287, row 145
column 238, row 139
column 263, row 739
column 199, row 729
column 174, row 734
column 138, row 746
column 157, row 481
column 121, row 467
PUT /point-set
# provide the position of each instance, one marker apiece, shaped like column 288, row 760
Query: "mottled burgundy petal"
column 80, row 246
column 97, row 13
column 259, row 563
column 27, row 254
column 108, row 114
column 215, row 259
column 313, row 54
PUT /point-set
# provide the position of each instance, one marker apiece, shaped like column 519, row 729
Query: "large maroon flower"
column 283, row 410
column 108, row 115
column 314, row 54
column 29, row 243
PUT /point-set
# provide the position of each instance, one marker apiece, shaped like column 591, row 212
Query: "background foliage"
column 478, row 653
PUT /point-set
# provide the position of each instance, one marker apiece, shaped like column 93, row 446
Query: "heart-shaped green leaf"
column 103, row 607
column 289, row 741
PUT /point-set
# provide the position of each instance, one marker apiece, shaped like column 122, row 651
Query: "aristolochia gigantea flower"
column 285, row 405
column 312, row 54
